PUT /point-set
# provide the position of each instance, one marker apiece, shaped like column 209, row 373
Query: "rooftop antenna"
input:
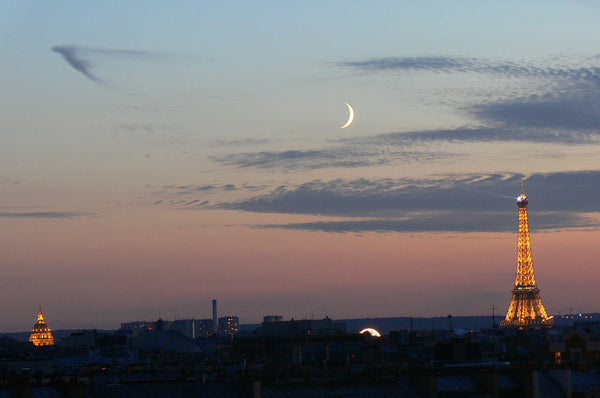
column 522, row 183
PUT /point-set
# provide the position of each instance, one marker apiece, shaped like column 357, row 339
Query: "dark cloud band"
column 471, row 203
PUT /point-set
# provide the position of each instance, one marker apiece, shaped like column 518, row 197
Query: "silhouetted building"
column 301, row 327
column 193, row 328
column 164, row 341
column 41, row 334
column 82, row 339
column 229, row 325
column 138, row 327
column 576, row 349
column 272, row 318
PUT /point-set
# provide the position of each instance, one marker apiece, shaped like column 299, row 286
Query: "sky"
column 158, row 155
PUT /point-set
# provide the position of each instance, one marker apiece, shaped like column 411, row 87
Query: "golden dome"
column 41, row 333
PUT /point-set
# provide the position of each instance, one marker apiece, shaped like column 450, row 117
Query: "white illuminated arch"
column 371, row 331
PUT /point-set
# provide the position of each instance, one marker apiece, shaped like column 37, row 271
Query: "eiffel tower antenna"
column 526, row 309
column 522, row 184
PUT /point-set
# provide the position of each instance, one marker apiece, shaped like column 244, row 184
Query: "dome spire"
column 41, row 334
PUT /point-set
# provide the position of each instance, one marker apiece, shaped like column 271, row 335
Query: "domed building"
column 41, row 334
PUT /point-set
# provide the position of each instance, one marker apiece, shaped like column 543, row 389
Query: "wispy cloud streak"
column 351, row 153
column 43, row 214
column 588, row 71
column 79, row 58
column 444, row 222
column 71, row 54
column 408, row 147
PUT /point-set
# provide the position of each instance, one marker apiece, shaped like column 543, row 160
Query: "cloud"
column 291, row 159
column 44, row 214
column 407, row 147
column 193, row 189
column 442, row 222
column 193, row 203
column 351, row 154
column 428, row 63
column 242, row 142
column 466, row 203
column 72, row 56
column 194, row 195
column 557, row 94
column 382, row 197
column 408, row 63
column 484, row 134
column 559, row 103
column 574, row 112
column 564, row 109
column 587, row 70
column 80, row 58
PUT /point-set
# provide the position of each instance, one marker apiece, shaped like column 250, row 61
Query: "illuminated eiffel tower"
column 526, row 309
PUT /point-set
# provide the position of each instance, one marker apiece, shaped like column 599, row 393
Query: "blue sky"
column 222, row 120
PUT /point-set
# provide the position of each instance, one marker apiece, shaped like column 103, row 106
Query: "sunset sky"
column 156, row 155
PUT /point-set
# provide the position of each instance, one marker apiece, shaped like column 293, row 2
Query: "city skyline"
column 156, row 156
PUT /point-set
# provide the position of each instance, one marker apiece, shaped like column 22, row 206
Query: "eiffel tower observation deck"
column 526, row 309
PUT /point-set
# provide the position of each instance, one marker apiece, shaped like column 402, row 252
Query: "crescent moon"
column 350, row 117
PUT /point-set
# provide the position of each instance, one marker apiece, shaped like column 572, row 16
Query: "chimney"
column 215, row 320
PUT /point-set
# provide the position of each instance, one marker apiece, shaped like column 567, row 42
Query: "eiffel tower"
column 526, row 309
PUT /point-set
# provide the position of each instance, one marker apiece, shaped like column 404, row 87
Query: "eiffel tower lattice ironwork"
column 526, row 309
